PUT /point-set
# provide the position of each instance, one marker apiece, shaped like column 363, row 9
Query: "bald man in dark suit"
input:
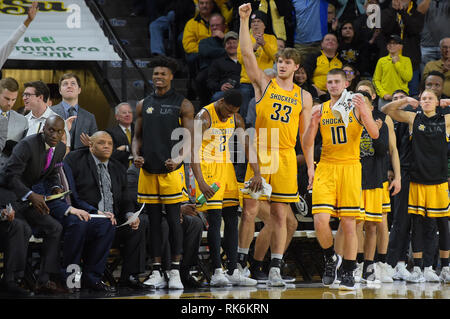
column 32, row 163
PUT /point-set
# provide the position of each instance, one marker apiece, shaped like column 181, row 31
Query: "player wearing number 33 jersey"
column 277, row 122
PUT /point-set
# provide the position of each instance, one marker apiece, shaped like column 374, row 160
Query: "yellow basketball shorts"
column 337, row 189
column 279, row 169
column 386, row 198
column 372, row 204
column 168, row 188
column 432, row 200
column 228, row 193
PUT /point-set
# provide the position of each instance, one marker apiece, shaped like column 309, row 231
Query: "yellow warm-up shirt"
column 265, row 56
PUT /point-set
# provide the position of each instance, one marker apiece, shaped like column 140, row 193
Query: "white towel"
column 266, row 189
column 342, row 108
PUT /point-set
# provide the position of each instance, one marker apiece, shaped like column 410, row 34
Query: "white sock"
column 243, row 250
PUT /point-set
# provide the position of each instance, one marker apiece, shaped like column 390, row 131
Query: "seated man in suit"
column 122, row 134
column 33, row 162
column 14, row 237
column 85, row 124
column 83, row 234
column 101, row 182
column 17, row 124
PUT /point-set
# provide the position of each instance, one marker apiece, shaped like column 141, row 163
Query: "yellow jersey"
column 340, row 144
column 216, row 137
column 277, row 116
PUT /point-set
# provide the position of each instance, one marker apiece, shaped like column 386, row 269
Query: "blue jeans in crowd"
column 248, row 93
column 158, row 28
column 429, row 54
column 414, row 84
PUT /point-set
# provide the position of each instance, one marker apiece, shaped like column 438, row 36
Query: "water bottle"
column 202, row 199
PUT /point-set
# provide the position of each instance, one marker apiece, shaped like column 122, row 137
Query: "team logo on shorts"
column 149, row 110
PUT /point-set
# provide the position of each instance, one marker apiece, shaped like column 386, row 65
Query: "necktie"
column 128, row 132
column 49, row 158
column 64, row 183
column 105, row 184
column 71, row 111
column 72, row 129
column 5, row 114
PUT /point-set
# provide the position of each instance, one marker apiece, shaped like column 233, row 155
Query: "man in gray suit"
column 13, row 126
column 85, row 124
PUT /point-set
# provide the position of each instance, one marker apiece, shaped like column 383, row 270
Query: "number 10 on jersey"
column 338, row 134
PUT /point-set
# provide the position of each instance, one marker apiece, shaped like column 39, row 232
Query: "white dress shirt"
column 36, row 124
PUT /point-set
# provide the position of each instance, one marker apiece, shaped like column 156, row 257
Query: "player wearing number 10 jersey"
column 337, row 180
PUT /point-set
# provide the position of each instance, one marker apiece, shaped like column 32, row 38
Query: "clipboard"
column 55, row 196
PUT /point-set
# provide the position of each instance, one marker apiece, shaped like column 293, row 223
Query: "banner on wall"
column 62, row 31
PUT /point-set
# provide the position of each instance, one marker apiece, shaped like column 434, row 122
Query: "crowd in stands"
column 401, row 47
column 361, row 37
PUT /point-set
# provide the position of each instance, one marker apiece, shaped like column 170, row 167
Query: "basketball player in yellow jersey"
column 213, row 164
column 337, row 180
column 282, row 109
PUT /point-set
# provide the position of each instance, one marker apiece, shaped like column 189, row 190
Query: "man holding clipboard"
column 98, row 188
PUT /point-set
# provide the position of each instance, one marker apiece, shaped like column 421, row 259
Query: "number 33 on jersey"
column 278, row 111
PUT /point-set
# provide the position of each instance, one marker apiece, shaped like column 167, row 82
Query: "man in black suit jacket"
column 88, row 181
column 85, row 235
column 85, row 124
column 14, row 238
column 122, row 134
column 32, row 163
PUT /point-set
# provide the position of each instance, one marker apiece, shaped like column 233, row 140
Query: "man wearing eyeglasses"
column 35, row 97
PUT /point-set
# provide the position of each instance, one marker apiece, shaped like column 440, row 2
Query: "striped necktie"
column 105, row 186
column 64, row 183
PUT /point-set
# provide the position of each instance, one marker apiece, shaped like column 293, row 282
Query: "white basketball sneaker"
column 156, row 279
column 238, row 279
column 219, row 279
column 174, row 279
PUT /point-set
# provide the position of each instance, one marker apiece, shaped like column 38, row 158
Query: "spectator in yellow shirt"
column 195, row 30
column 393, row 72
column 318, row 64
column 265, row 47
